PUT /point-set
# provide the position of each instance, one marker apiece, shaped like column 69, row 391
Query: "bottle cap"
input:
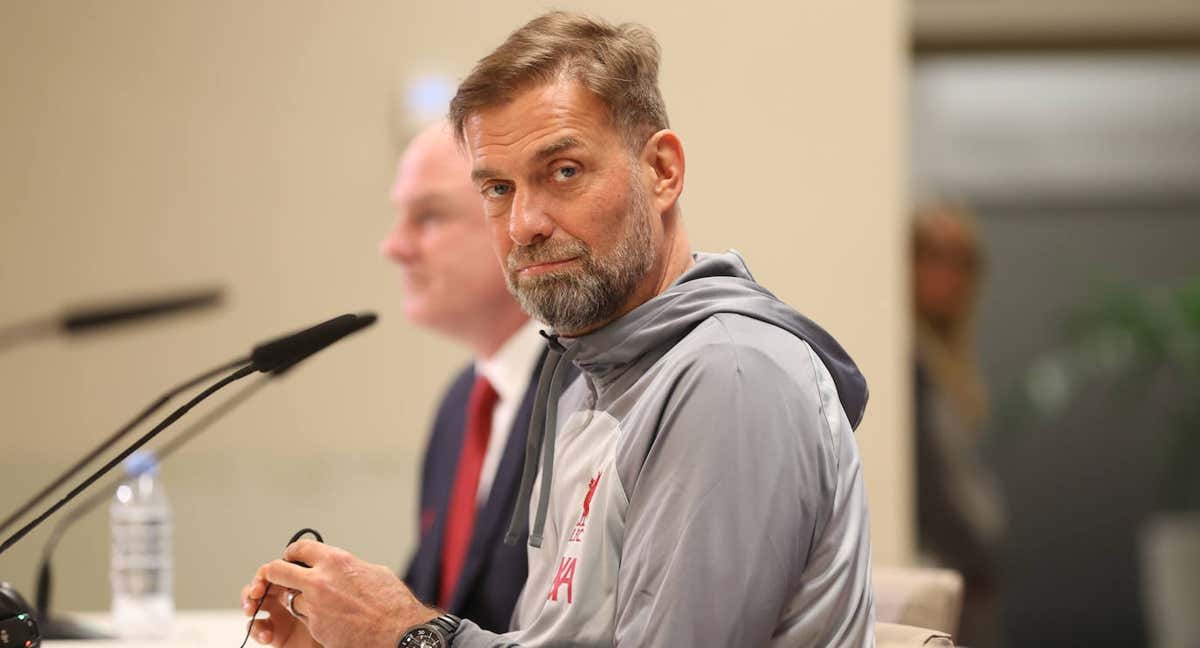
column 141, row 463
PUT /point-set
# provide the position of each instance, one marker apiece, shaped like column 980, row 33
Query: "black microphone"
column 281, row 354
column 86, row 319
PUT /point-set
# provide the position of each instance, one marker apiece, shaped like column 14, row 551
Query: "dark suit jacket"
column 493, row 573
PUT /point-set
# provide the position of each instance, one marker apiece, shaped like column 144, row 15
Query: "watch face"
column 423, row 637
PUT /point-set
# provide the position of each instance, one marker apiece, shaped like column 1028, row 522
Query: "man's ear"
column 663, row 154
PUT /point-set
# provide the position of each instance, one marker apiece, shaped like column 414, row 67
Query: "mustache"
column 546, row 252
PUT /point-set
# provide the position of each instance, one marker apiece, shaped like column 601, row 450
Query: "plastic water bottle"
column 140, row 563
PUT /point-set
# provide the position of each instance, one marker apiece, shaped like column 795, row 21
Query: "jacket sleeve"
column 725, row 497
column 470, row 635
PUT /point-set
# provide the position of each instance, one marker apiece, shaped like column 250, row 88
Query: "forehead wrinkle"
column 498, row 149
column 513, row 139
column 515, row 127
column 563, row 143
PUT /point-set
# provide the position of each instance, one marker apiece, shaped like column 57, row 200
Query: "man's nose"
column 530, row 222
column 399, row 245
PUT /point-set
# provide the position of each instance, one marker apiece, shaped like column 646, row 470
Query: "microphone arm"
column 275, row 357
column 45, row 578
column 117, row 436
column 174, row 416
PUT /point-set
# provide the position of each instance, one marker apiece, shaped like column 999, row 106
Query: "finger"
column 274, row 604
column 248, row 604
column 274, row 607
column 291, row 576
column 277, row 625
column 310, row 552
column 263, row 630
column 258, row 585
column 251, row 594
column 299, row 604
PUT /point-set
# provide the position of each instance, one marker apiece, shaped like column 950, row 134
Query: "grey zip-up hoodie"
column 699, row 483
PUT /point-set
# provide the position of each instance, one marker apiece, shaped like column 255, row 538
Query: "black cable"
column 257, row 608
column 174, row 416
column 117, row 436
column 296, row 536
column 300, row 534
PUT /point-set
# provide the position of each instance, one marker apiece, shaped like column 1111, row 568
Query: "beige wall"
column 150, row 144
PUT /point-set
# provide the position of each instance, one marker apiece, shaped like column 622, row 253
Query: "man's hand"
column 342, row 601
column 281, row 630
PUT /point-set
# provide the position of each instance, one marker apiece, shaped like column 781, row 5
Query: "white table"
column 193, row 629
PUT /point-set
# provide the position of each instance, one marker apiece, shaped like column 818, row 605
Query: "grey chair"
column 895, row 635
column 925, row 597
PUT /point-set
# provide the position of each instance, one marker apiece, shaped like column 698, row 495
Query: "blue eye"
column 498, row 190
column 565, row 172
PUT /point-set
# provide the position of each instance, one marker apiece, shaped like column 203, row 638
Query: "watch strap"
column 447, row 623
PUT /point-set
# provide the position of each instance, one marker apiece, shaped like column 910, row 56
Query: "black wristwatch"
column 436, row 634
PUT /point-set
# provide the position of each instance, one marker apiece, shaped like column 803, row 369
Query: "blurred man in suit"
column 453, row 285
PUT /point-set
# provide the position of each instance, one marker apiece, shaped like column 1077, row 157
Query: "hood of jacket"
column 716, row 283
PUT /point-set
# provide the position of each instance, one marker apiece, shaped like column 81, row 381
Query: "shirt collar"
column 509, row 369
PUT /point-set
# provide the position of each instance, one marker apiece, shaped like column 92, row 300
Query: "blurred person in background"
column 959, row 514
column 472, row 468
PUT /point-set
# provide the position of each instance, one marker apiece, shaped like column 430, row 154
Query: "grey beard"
column 578, row 299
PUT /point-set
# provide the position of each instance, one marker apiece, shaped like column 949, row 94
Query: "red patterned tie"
column 460, row 517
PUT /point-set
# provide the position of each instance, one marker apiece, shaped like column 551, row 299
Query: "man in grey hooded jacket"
column 699, row 482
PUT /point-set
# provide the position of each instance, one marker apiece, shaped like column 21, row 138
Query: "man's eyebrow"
column 483, row 173
column 432, row 198
column 557, row 147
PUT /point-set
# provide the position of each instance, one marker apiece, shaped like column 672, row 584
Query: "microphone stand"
column 66, row 628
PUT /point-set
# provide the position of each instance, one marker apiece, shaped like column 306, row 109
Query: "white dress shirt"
column 509, row 371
